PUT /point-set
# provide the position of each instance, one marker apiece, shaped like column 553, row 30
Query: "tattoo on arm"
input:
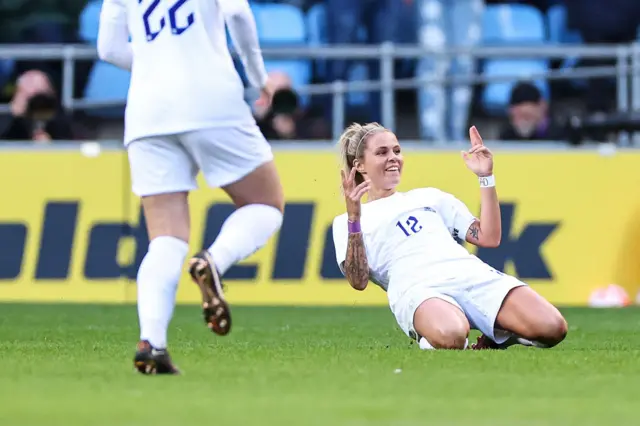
column 474, row 232
column 356, row 266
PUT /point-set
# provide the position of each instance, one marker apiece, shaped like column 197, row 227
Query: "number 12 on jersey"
column 412, row 226
column 176, row 29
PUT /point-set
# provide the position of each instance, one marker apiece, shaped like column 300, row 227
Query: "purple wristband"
column 354, row 227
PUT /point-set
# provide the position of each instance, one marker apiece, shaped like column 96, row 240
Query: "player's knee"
column 278, row 203
column 276, row 198
column 449, row 337
column 550, row 330
column 556, row 330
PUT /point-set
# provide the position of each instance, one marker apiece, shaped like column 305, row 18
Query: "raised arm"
column 355, row 267
column 243, row 32
column 113, row 34
column 486, row 232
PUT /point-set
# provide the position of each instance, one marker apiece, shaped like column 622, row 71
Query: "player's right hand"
column 353, row 193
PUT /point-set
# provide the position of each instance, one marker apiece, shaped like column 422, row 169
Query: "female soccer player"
column 405, row 243
column 181, row 120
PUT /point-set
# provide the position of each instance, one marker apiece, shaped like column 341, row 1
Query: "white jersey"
column 410, row 238
column 182, row 74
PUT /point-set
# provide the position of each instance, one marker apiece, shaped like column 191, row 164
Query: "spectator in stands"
column 528, row 116
column 285, row 119
column 444, row 110
column 36, row 114
column 603, row 22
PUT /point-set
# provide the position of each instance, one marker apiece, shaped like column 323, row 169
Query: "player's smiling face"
column 382, row 162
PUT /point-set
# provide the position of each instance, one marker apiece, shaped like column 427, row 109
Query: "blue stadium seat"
column 298, row 71
column 280, row 24
column 284, row 25
column 558, row 30
column 316, row 21
column 495, row 97
column 516, row 25
column 559, row 33
column 6, row 68
column 318, row 36
column 358, row 72
column 90, row 21
column 107, row 83
column 512, row 23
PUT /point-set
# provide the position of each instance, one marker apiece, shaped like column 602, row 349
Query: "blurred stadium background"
column 423, row 67
column 552, row 85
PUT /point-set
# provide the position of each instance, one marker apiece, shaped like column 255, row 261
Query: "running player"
column 404, row 242
column 186, row 113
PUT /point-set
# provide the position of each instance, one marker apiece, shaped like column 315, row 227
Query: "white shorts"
column 165, row 164
column 479, row 301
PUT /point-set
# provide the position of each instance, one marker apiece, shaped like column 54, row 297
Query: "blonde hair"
column 353, row 142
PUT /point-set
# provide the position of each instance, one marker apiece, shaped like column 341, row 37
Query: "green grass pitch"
column 71, row 365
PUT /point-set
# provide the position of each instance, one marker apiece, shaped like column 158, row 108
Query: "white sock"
column 526, row 342
column 158, row 278
column 514, row 339
column 245, row 231
column 425, row 345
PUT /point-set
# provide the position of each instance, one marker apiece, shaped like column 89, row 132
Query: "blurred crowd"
column 31, row 88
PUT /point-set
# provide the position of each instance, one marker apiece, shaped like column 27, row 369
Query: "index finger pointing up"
column 474, row 136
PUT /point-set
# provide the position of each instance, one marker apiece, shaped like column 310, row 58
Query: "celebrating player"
column 186, row 113
column 404, row 242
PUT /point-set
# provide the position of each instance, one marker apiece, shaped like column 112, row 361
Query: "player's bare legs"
column 167, row 218
column 262, row 186
column 529, row 316
column 259, row 199
column 442, row 324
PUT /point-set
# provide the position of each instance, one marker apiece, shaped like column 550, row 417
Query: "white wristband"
column 487, row 181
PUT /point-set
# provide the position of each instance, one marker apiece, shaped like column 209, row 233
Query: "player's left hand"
column 478, row 159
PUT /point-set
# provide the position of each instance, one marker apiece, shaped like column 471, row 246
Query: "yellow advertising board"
column 70, row 229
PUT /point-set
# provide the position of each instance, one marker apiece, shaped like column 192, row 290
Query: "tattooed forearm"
column 355, row 265
column 474, row 232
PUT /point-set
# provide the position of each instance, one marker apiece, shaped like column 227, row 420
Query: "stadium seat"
column 558, row 30
column 512, row 24
column 6, row 68
column 298, row 71
column 284, row 25
column 559, row 33
column 89, row 22
column 280, row 24
column 495, row 97
column 516, row 25
column 107, row 83
column 318, row 36
column 316, row 21
column 358, row 72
